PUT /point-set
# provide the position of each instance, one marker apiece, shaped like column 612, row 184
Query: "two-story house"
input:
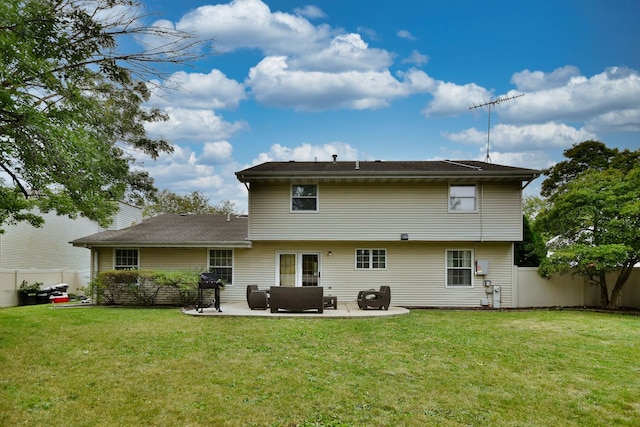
column 434, row 231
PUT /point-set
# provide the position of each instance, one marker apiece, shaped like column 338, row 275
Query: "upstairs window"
column 126, row 259
column 304, row 198
column 371, row 259
column 462, row 198
column 221, row 264
column 459, row 271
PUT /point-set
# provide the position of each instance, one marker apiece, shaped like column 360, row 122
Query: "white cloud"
column 525, row 159
column 512, row 138
column 310, row 11
column 197, row 90
column 251, row 24
column 306, row 67
column 345, row 52
column 450, row 99
column 273, row 83
column 217, row 152
column 615, row 121
column 416, row 58
column 537, row 80
column 604, row 95
column 605, row 102
column 404, row 34
column 193, row 125
column 184, row 171
column 308, row 153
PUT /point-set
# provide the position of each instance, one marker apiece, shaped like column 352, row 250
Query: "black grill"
column 209, row 281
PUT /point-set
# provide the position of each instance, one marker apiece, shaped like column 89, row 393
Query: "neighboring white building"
column 45, row 255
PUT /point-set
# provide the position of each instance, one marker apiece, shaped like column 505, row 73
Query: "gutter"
column 112, row 244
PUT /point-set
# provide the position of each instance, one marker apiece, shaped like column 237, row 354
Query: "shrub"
column 141, row 287
column 184, row 282
column 30, row 288
column 145, row 291
column 108, row 287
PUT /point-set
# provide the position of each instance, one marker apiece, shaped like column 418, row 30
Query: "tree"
column 532, row 249
column 588, row 155
column 595, row 214
column 72, row 105
column 532, row 205
column 167, row 202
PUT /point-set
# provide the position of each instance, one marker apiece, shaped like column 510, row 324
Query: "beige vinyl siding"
column 382, row 212
column 501, row 209
column 174, row 259
column 103, row 260
column 415, row 271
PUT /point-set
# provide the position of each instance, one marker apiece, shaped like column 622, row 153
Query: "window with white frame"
column 369, row 259
column 304, row 197
column 126, row 259
column 459, row 268
column 221, row 264
column 462, row 198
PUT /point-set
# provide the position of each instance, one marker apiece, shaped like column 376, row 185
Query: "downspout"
column 530, row 181
column 94, row 263
column 246, row 184
column 481, row 212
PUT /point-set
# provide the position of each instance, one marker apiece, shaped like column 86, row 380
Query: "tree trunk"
column 615, row 294
column 604, row 291
column 622, row 278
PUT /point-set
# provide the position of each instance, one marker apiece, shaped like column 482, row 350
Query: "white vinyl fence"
column 10, row 281
column 531, row 290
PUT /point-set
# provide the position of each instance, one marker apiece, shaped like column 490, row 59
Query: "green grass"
column 102, row 366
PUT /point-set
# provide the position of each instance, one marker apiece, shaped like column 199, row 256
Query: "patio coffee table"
column 330, row 302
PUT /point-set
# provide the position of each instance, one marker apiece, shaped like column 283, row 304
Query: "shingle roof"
column 176, row 230
column 436, row 169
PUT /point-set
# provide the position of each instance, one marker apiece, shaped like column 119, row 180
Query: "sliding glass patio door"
column 298, row 269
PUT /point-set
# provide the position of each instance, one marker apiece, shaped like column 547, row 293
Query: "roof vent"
column 335, row 158
column 357, row 164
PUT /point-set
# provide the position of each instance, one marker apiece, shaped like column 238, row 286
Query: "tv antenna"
column 489, row 105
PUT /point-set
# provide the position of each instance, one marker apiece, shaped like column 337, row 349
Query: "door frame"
column 298, row 265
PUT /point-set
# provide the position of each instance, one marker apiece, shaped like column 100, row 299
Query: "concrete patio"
column 345, row 310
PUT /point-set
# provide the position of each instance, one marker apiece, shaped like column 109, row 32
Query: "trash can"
column 27, row 297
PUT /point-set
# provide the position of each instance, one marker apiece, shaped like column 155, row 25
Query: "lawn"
column 103, row 366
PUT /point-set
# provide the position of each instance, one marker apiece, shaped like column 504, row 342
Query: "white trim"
column 446, row 269
column 298, row 260
column 370, row 268
column 113, row 259
column 233, row 262
column 317, row 209
column 475, row 199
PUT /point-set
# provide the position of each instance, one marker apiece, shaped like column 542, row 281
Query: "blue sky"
column 392, row 80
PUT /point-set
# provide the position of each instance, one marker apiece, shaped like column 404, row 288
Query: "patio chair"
column 375, row 299
column 257, row 298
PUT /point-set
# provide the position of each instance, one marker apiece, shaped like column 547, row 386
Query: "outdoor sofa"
column 298, row 298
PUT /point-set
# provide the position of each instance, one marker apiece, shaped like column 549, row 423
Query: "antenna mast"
column 489, row 105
